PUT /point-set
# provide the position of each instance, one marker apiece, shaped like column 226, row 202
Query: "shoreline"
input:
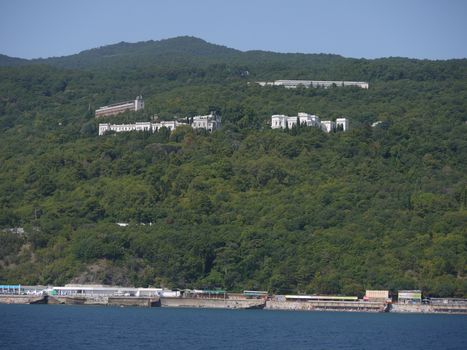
column 237, row 304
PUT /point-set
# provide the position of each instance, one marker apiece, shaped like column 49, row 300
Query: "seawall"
column 23, row 299
column 429, row 309
column 351, row 306
column 213, row 303
column 106, row 301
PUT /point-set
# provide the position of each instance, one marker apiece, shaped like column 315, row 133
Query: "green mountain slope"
column 245, row 207
column 7, row 61
column 169, row 51
column 194, row 53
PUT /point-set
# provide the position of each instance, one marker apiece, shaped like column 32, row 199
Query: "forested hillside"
column 245, row 207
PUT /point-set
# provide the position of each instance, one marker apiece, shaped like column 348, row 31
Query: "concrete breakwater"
column 104, row 300
column 429, row 309
column 23, row 299
column 237, row 303
column 355, row 306
column 213, row 303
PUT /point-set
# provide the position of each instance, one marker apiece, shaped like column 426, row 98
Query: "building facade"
column 342, row 124
column 117, row 108
column 293, row 84
column 328, row 125
column 208, row 122
column 280, row 121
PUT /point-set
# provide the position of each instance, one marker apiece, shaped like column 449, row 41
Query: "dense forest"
column 245, row 207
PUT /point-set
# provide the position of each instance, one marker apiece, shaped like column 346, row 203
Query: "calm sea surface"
column 88, row 327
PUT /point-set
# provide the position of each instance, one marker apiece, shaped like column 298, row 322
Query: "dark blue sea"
column 88, row 327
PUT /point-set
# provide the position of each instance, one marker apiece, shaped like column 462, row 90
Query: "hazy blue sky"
column 435, row 29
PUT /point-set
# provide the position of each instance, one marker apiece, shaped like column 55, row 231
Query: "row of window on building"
column 136, row 105
column 208, row 122
column 280, row 121
column 293, row 84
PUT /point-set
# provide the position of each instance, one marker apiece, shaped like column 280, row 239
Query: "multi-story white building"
column 308, row 119
column 209, row 122
column 328, row 125
column 342, row 123
column 168, row 124
column 120, row 107
column 280, row 121
column 139, row 126
column 293, row 84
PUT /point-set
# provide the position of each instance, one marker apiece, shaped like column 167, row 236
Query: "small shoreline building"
column 120, row 107
column 409, row 296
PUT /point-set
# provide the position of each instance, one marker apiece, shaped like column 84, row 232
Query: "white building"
column 328, row 125
column 99, row 290
column 209, row 122
column 342, row 123
column 293, row 84
column 280, row 121
column 139, row 126
column 308, row 119
column 120, row 107
column 168, row 124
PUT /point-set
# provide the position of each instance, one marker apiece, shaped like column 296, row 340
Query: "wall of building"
column 293, row 84
column 209, row 122
column 117, row 108
column 280, row 121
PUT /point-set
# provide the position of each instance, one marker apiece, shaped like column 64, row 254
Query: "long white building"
column 99, row 290
column 280, row 121
column 293, row 84
column 120, row 107
column 208, row 122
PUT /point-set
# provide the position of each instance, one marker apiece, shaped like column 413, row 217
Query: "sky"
column 425, row 29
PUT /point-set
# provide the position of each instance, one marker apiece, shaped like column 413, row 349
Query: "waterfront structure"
column 376, row 295
column 280, row 121
column 409, row 296
column 120, row 107
column 448, row 302
column 10, row 289
column 98, row 290
column 255, row 294
column 319, row 298
column 293, row 84
column 208, row 122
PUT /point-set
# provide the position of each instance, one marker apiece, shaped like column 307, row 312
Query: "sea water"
column 96, row 327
